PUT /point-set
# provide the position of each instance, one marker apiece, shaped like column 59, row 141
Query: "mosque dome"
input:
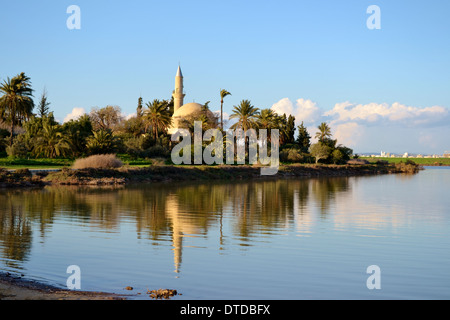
column 191, row 110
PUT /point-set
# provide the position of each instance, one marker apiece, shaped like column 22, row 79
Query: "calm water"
column 288, row 239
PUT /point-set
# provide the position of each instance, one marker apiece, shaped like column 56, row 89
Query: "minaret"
column 178, row 94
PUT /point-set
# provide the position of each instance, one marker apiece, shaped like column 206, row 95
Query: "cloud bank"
column 376, row 126
column 385, row 114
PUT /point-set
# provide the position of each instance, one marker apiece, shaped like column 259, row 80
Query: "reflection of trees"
column 325, row 190
column 15, row 233
column 167, row 211
column 262, row 205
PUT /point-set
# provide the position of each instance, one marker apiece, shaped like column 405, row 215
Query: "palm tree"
column 51, row 143
column 101, row 142
column 205, row 107
column 16, row 103
column 267, row 119
column 324, row 132
column 246, row 114
column 157, row 117
column 223, row 94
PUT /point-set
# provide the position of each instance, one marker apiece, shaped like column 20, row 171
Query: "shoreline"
column 24, row 178
column 16, row 288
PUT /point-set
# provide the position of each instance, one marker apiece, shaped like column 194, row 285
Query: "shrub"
column 134, row 146
column 19, row 148
column 337, row 156
column 382, row 162
column 290, row 155
column 408, row 167
column 157, row 151
column 101, row 142
column 101, row 161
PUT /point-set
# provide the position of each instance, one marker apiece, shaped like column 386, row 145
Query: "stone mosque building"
column 189, row 111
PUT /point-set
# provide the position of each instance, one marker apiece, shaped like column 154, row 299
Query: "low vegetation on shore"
column 166, row 173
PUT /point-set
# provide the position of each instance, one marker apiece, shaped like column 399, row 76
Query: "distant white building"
column 405, row 155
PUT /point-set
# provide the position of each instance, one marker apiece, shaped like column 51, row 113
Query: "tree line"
column 25, row 134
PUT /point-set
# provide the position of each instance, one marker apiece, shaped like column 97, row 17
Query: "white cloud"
column 226, row 116
column 75, row 114
column 304, row 110
column 375, row 126
column 283, row 106
column 375, row 113
column 128, row 116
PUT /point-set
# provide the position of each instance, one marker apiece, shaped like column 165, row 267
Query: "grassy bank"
column 208, row 173
column 159, row 173
column 11, row 163
column 420, row 161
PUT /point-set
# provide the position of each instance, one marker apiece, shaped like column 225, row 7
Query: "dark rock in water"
column 162, row 293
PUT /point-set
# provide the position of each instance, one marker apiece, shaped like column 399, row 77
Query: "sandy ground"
column 15, row 288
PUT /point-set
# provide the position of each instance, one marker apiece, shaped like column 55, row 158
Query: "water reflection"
column 165, row 210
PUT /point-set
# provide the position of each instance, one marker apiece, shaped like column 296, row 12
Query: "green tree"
column 205, row 107
column 35, row 125
column 43, row 107
column 157, row 117
column 287, row 129
column 20, row 147
column 319, row 151
column 139, row 111
column 223, row 94
column 324, row 132
column 290, row 129
column 345, row 154
column 102, row 142
column 267, row 119
column 247, row 118
column 246, row 115
column 303, row 139
column 337, row 156
column 51, row 142
column 109, row 117
column 33, row 131
column 134, row 126
column 16, row 104
column 77, row 133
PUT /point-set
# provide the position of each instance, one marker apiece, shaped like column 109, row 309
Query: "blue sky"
column 386, row 89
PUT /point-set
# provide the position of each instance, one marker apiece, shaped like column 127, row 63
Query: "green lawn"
column 421, row 161
column 34, row 163
column 9, row 163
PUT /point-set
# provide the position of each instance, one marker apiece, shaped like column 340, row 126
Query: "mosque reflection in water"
column 167, row 211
